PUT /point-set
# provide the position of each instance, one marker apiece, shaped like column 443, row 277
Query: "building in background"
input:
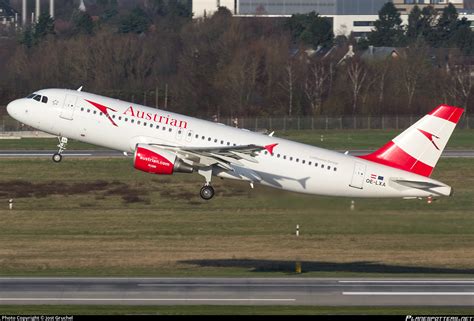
column 347, row 16
column 8, row 16
column 202, row 8
column 405, row 6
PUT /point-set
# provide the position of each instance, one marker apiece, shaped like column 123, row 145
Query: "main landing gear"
column 207, row 192
column 57, row 157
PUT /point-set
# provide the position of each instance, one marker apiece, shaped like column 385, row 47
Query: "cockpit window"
column 30, row 96
column 37, row 97
column 44, row 100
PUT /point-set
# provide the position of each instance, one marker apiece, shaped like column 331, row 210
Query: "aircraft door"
column 358, row 176
column 67, row 111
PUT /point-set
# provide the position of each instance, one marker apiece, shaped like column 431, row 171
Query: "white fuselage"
column 293, row 166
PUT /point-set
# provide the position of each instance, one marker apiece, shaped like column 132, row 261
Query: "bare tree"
column 463, row 82
column 357, row 76
column 414, row 67
column 315, row 85
column 288, row 85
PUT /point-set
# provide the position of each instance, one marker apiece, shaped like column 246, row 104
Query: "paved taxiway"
column 112, row 153
column 238, row 291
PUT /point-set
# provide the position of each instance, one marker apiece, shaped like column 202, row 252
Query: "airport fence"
column 397, row 122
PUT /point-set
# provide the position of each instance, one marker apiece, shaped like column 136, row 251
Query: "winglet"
column 79, row 89
column 270, row 148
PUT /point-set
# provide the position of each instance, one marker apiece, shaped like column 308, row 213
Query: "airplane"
column 163, row 143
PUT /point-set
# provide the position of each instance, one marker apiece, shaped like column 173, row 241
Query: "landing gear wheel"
column 57, row 157
column 207, row 192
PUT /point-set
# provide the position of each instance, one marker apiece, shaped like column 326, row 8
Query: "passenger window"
column 44, row 100
column 37, row 98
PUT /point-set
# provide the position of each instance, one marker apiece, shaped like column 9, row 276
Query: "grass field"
column 332, row 139
column 229, row 310
column 101, row 217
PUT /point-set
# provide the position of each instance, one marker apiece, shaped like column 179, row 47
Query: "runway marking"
column 409, row 293
column 275, row 285
column 140, row 299
column 409, row 281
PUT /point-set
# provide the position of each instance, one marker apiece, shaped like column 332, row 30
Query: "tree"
column 414, row 66
column 135, row 22
column 27, row 37
column 83, row 23
column 357, row 76
column 447, row 25
column 316, row 84
column 44, row 27
column 415, row 25
column 311, row 29
column 428, row 20
column 388, row 28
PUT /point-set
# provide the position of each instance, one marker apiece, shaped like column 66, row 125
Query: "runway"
column 238, row 291
column 113, row 153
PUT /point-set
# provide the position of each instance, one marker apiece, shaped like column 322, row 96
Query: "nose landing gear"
column 57, row 157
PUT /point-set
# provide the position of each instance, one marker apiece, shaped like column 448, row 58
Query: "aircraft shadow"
column 312, row 266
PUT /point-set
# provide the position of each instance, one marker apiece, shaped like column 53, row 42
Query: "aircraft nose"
column 11, row 107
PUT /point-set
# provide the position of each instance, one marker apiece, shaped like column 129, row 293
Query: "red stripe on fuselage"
column 393, row 156
column 450, row 113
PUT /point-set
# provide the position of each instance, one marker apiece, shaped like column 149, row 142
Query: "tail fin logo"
column 104, row 110
column 430, row 137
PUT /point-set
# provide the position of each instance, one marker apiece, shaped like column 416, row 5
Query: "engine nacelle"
column 155, row 160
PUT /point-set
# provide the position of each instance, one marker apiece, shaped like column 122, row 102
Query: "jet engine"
column 156, row 160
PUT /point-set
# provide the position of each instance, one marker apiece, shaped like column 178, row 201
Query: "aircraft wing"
column 220, row 156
